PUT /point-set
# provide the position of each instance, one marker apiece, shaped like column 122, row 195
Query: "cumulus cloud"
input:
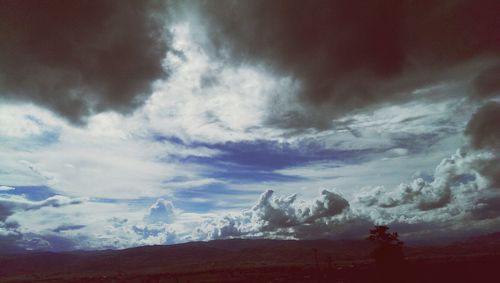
column 81, row 57
column 275, row 216
column 157, row 227
column 428, row 195
column 162, row 211
column 346, row 56
column 455, row 196
column 460, row 195
column 120, row 233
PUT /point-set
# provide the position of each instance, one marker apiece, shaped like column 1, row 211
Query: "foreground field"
column 258, row 261
column 461, row 269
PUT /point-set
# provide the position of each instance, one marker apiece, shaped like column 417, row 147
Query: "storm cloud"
column 345, row 56
column 484, row 127
column 483, row 131
column 78, row 58
column 487, row 83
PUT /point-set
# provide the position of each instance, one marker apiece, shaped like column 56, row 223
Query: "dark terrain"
column 474, row 260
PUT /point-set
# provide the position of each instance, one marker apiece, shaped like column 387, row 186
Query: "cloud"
column 452, row 174
column 484, row 128
column 112, row 156
column 12, row 236
column 208, row 104
column 453, row 187
column 162, row 211
column 125, row 230
column 487, row 84
column 192, row 109
column 275, row 216
column 483, row 131
column 6, row 188
column 68, row 227
column 346, row 56
column 460, row 195
column 9, row 204
column 449, row 198
column 82, row 57
column 153, row 235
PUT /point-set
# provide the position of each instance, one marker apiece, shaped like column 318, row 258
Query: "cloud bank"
column 462, row 194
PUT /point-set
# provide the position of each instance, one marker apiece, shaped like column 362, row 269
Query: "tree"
column 389, row 250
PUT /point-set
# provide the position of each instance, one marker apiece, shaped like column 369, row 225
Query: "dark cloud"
column 81, row 57
column 487, row 83
column 484, row 127
column 486, row 208
column 348, row 55
column 483, row 131
column 491, row 170
column 67, row 227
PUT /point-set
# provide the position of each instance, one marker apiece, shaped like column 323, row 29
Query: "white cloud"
column 458, row 197
column 6, row 188
column 23, row 121
column 275, row 217
column 105, row 159
column 231, row 108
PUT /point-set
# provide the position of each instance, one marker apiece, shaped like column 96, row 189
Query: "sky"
column 130, row 123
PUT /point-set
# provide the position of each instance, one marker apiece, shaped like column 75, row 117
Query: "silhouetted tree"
column 389, row 250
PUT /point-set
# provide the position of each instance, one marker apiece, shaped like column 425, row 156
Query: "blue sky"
column 222, row 146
